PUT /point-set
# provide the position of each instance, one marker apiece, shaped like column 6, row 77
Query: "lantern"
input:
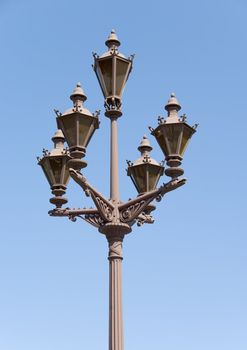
column 173, row 135
column 112, row 70
column 54, row 165
column 78, row 126
column 145, row 172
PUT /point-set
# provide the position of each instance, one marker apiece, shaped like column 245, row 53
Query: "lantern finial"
column 78, row 94
column 58, row 138
column 145, row 145
column 112, row 40
column 172, row 108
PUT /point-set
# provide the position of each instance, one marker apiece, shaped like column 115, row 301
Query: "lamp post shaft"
column 114, row 178
column 115, row 294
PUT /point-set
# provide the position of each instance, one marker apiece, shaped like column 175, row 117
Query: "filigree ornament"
column 94, row 219
column 115, row 250
column 105, row 210
column 144, row 219
column 72, row 218
column 132, row 211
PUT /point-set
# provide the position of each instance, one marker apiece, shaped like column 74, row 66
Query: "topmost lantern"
column 112, row 70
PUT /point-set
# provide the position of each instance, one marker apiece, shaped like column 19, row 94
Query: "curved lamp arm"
column 104, row 206
column 130, row 210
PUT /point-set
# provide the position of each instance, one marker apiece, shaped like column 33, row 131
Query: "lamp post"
column 113, row 217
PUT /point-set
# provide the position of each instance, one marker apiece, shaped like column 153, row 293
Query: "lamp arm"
column 144, row 218
column 170, row 186
column 72, row 212
column 130, row 210
column 104, row 206
column 90, row 215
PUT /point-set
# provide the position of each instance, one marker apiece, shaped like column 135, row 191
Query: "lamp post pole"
column 115, row 238
column 113, row 217
column 114, row 176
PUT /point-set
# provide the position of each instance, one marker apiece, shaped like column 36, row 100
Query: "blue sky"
column 184, row 278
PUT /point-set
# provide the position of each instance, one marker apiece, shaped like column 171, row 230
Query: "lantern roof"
column 112, row 43
column 78, row 93
column 145, row 145
column 112, row 39
column 172, row 103
column 78, row 97
column 58, row 136
column 145, row 148
column 58, row 150
column 172, row 108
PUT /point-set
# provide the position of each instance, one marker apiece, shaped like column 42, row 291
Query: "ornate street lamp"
column 78, row 126
column 112, row 70
column 173, row 135
column 54, row 165
column 145, row 172
column 113, row 217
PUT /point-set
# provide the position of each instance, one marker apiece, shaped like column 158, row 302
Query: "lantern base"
column 174, row 172
column 151, row 207
column 76, row 164
column 58, row 201
column 113, row 113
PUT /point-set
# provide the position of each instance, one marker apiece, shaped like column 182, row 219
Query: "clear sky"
column 184, row 278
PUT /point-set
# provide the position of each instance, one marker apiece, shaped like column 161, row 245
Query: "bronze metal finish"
column 113, row 217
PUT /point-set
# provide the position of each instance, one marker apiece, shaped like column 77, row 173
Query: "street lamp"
column 113, row 217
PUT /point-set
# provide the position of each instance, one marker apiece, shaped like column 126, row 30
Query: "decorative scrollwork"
column 144, row 219
column 94, row 219
column 115, row 250
column 104, row 208
column 72, row 218
column 131, row 212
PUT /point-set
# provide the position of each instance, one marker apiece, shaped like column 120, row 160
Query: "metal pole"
column 114, row 181
column 115, row 294
column 115, row 238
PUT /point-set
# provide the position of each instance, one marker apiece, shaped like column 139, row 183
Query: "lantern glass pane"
column 161, row 141
column 56, row 168
column 121, row 75
column 47, row 170
column 104, row 73
column 154, row 173
column 84, row 128
column 139, row 177
column 187, row 133
column 172, row 133
column 68, row 125
column 65, row 170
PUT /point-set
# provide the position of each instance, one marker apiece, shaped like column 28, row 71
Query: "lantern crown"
column 172, row 108
column 78, row 93
column 145, row 148
column 58, row 140
column 145, row 145
column 78, row 96
column 112, row 40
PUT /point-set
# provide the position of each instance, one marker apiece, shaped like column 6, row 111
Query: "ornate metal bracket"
column 130, row 210
column 144, row 218
column 104, row 206
column 91, row 215
column 135, row 210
